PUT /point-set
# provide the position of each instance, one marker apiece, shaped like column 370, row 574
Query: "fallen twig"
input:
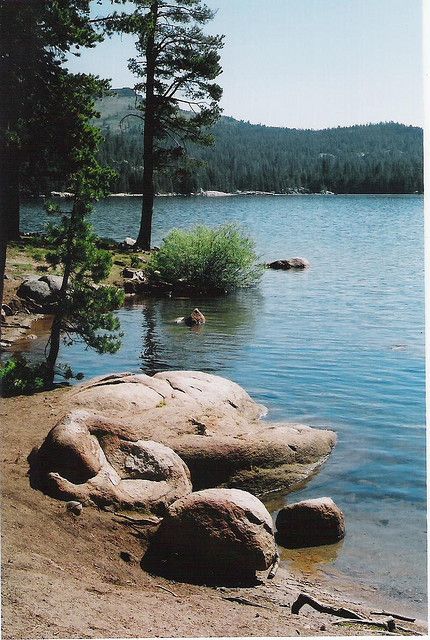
column 389, row 625
column 393, row 615
column 168, row 590
column 245, row 601
column 137, row 521
column 322, row 608
column 275, row 566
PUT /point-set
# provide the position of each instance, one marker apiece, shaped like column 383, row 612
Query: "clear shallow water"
column 339, row 345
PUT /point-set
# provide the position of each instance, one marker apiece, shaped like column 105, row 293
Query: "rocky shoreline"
column 80, row 576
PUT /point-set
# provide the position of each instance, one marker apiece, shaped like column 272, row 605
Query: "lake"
column 340, row 345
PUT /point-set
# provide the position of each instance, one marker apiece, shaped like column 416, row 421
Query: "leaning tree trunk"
column 144, row 238
column 57, row 325
column 9, row 208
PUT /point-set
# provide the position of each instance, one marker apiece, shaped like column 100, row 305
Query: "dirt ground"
column 63, row 575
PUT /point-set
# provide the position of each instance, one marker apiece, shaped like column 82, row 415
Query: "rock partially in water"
column 215, row 536
column 310, row 523
column 212, row 424
column 196, row 317
column 89, row 458
column 290, row 263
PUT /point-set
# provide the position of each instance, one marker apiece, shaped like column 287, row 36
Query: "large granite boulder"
column 213, row 536
column 212, row 424
column 96, row 460
column 310, row 523
column 41, row 293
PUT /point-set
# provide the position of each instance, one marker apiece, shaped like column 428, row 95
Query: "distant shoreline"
column 222, row 194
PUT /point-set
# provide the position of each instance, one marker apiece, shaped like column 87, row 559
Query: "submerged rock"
column 310, row 523
column 212, row 424
column 89, row 458
column 214, row 536
column 291, row 263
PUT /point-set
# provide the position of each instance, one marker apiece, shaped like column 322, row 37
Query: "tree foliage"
column 38, row 115
column 85, row 310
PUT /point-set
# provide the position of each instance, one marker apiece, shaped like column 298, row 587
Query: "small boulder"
column 43, row 291
column 291, row 263
column 129, row 242
column 195, row 318
column 54, row 282
column 310, row 523
column 128, row 273
column 214, row 536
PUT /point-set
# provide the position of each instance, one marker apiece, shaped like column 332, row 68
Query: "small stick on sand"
column 393, row 615
column 275, row 566
column 245, row 601
column 168, row 590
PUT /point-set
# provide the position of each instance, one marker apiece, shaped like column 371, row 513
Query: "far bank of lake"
column 339, row 345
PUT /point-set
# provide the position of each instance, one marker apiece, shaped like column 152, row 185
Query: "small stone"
column 126, row 556
column 74, row 507
column 391, row 624
column 195, row 318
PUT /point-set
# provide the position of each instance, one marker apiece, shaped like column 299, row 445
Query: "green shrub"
column 17, row 376
column 207, row 259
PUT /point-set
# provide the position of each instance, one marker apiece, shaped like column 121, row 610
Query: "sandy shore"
column 63, row 575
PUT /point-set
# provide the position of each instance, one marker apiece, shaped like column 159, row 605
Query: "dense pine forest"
column 373, row 158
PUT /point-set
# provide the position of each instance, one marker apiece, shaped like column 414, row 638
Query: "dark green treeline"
column 374, row 158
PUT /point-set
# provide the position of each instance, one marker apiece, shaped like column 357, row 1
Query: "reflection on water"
column 339, row 345
column 312, row 559
column 229, row 327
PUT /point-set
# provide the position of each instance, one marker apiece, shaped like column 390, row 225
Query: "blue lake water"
column 339, row 345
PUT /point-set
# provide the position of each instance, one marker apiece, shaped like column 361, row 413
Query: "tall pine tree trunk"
column 9, row 207
column 144, row 238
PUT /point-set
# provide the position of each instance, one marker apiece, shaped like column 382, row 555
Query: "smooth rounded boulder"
column 213, row 425
column 310, row 523
column 214, row 536
column 92, row 459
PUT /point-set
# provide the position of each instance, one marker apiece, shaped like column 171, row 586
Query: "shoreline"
column 60, row 565
column 224, row 194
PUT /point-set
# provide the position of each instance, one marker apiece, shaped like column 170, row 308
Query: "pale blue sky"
column 305, row 63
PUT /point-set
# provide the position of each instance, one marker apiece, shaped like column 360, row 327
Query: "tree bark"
column 144, row 238
column 9, row 208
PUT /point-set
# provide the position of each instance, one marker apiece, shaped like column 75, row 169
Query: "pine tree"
column 34, row 39
column 83, row 307
column 178, row 64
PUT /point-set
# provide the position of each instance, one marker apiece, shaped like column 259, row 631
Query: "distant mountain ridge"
column 373, row 158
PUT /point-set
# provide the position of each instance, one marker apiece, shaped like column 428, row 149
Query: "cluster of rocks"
column 161, row 444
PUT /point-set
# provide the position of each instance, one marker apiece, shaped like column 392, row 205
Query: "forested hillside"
column 374, row 158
